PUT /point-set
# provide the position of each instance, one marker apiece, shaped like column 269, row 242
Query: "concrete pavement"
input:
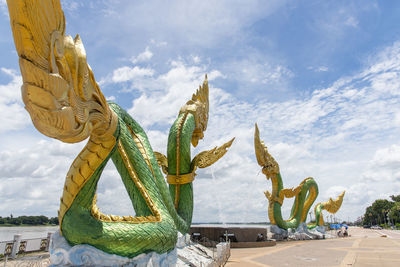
column 365, row 247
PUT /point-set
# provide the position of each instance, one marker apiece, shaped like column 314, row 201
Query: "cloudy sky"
column 321, row 79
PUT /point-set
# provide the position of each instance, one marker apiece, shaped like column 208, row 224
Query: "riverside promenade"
column 365, row 247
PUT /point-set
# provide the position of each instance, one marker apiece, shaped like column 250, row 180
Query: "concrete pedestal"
column 184, row 254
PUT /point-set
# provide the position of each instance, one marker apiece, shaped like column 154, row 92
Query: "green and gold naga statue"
column 65, row 102
column 305, row 194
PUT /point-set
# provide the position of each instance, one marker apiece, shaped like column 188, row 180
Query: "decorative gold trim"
column 321, row 219
column 82, row 169
column 181, row 178
column 140, row 187
column 312, row 195
column 209, row 157
column 332, row 206
column 198, row 106
column 96, row 213
column 59, row 90
column 162, row 161
column 178, row 143
column 109, row 130
column 142, row 150
column 269, row 165
column 284, row 193
column 178, row 158
column 272, row 198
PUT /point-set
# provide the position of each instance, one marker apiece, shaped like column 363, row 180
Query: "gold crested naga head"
column 270, row 167
column 59, row 89
column 333, row 206
column 198, row 106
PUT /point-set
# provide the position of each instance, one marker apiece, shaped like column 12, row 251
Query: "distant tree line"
column 28, row 220
column 383, row 212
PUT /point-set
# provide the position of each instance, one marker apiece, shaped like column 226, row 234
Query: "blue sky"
column 321, row 78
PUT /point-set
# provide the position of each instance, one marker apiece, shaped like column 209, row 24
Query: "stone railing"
column 218, row 251
column 10, row 249
column 213, row 256
column 223, row 253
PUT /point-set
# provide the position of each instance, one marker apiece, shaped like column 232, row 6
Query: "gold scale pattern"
column 85, row 165
column 82, row 169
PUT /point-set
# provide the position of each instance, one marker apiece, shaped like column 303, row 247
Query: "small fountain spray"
column 217, row 197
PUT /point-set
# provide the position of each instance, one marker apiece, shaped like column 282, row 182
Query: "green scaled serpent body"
column 157, row 220
column 332, row 206
column 65, row 102
column 305, row 194
column 125, row 237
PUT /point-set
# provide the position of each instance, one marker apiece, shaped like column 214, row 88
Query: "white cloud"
column 143, row 57
column 107, row 199
column 330, row 135
column 158, row 44
column 196, row 59
column 384, row 167
column 70, row 5
column 254, row 71
column 352, row 22
column 3, row 7
column 14, row 116
column 32, row 176
column 388, row 157
column 111, row 98
column 343, row 136
column 11, row 92
column 126, row 73
column 170, row 91
column 179, row 24
column 334, row 25
column 319, row 69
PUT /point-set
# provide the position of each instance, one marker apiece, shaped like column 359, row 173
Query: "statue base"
column 301, row 233
column 185, row 253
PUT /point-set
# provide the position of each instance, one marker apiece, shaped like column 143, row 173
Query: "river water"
column 7, row 233
column 27, row 232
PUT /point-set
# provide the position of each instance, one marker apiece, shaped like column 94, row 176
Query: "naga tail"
column 331, row 206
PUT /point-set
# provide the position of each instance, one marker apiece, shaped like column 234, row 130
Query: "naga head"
column 198, row 106
column 59, row 89
column 270, row 167
column 64, row 100
column 333, row 206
